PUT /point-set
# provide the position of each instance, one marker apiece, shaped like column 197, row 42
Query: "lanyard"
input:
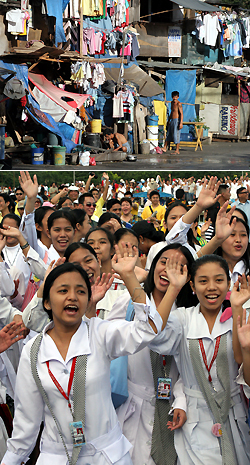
column 164, row 365
column 59, row 387
column 214, row 356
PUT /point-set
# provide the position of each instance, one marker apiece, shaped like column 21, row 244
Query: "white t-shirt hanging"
column 212, row 28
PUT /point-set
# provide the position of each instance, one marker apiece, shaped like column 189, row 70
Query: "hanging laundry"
column 56, row 8
column 118, row 106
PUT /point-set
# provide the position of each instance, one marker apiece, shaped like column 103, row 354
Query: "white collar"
column 239, row 268
column 79, row 345
column 198, row 327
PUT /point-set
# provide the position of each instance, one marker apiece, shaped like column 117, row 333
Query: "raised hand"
column 205, row 226
column 10, row 334
column 2, row 241
column 176, row 273
column 224, row 226
column 240, row 292
column 11, row 232
column 125, row 258
column 244, row 331
column 29, row 187
column 101, row 286
column 208, row 194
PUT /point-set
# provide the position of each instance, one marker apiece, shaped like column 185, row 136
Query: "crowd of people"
column 124, row 322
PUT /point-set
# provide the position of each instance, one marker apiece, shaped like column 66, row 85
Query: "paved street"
column 222, row 155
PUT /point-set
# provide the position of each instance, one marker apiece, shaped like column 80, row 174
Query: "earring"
column 193, row 293
column 142, row 242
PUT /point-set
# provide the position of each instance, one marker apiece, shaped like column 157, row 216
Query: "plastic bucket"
column 96, row 126
column 52, row 139
column 92, row 139
column 59, row 155
column 153, row 120
column 37, row 156
column 145, row 148
column 152, row 136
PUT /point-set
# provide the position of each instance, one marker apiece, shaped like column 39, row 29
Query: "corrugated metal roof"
column 164, row 64
column 196, row 5
column 147, row 85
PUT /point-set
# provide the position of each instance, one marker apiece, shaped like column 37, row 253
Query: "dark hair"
column 12, row 216
column 79, row 215
column 145, row 229
column 19, row 188
column 154, row 193
column 68, row 215
column 8, row 198
column 78, row 245
column 209, row 259
column 128, row 193
column 40, row 213
column 240, row 190
column 222, row 188
column 83, row 197
column 93, row 190
column 173, row 205
column 185, row 297
column 179, row 193
column 242, row 213
column 121, row 232
column 58, row 271
column 112, row 202
column 106, row 217
column 109, row 235
column 126, row 199
column 175, row 92
column 246, row 256
column 61, row 202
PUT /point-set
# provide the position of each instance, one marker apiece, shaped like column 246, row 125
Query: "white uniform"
column 105, row 442
column 136, row 415
column 194, row 442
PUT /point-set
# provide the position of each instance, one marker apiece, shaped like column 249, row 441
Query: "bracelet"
column 133, row 295
column 24, row 246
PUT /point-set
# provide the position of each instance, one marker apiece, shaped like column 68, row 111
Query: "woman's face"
column 68, row 299
column 234, row 247
column 101, row 245
column 175, row 214
column 10, row 241
column 88, row 262
column 129, row 238
column 84, row 228
column 68, row 204
column 211, row 286
column 126, row 208
column 61, row 234
column 161, row 281
column 44, row 226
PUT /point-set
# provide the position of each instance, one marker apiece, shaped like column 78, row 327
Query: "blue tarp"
column 185, row 82
column 60, row 129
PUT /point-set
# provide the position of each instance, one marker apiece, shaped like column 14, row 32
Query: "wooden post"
column 81, row 30
column 238, row 110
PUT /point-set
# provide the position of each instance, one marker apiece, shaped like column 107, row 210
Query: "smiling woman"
column 64, row 373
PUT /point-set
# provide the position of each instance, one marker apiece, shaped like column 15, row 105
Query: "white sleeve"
column 7, row 312
column 34, row 316
column 37, row 265
column 178, row 233
column 7, row 286
column 167, row 342
column 119, row 309
column 120, row 337
column 240, row 380
column 29, row 410
column 28, row 230
column 179, row 396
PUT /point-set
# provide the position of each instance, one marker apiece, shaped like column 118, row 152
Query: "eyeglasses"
column 90, row 204
column 19, row 193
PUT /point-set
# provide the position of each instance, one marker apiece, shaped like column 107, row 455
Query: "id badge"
column 164, row 388
column 77, row 433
